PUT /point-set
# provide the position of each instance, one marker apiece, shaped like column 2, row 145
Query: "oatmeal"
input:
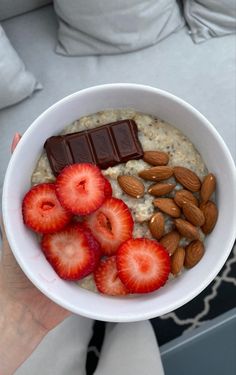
column 154, row 134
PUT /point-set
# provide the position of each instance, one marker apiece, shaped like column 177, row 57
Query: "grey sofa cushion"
column 11, row 8
column 88, row 27
column 210, row 18
column 16, row 83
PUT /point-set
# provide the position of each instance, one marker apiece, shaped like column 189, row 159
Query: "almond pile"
column 190, row 208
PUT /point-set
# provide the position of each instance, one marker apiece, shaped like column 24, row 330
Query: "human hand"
column 27, row 315
column 18, row 287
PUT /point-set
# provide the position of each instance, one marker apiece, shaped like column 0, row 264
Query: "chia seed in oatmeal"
column 154, row 134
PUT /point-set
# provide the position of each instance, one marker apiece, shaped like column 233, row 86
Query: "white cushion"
column 88, row 27
column 16, row 83
column 210, row 18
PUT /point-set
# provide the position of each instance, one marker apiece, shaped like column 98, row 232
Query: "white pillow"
column 89, row 27
column 16, row 83
column 210, row 18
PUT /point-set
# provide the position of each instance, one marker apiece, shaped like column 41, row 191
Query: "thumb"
column 2, row 230
column 15, row 141
column 5, row 246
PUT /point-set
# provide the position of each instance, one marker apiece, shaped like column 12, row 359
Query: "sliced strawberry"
column 93, row 243
column 107, row 188
column 42, row 211
column 70, row 252
column 80, row 188
column 143, row 265
column 107, row 279
column 111, row 224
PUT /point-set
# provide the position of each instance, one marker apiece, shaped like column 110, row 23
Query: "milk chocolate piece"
column 105, row 146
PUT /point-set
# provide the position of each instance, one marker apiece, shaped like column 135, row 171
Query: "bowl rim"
column 138, row 315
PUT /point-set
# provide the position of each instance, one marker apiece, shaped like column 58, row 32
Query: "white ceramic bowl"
column 147, row 100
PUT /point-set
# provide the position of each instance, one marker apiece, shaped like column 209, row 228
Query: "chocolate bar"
column 105, row 146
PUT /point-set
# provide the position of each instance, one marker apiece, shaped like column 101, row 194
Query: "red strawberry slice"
column 111, row 224
column 80, row 188
column 107, row 279
column 107, row 188
column 70, row 252
column 42, row 211
column 143, row 265
column 93, row 243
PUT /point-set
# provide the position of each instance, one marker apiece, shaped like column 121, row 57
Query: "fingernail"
column 15, row 141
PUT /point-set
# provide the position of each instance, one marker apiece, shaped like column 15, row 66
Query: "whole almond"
column 193, row 214
column 168, row 206
column 187, row 178
column 170, row 241
column 157, row 225
column 193, row 253
column 210, row 212
column 157, row 173
column 183, row 196
column 156, row 157
column 187, row 229
column 208, row 187
column 160, row 189
column 131, row 186
column 177, row 260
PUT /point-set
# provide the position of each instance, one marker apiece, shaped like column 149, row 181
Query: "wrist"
column 19, row 335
